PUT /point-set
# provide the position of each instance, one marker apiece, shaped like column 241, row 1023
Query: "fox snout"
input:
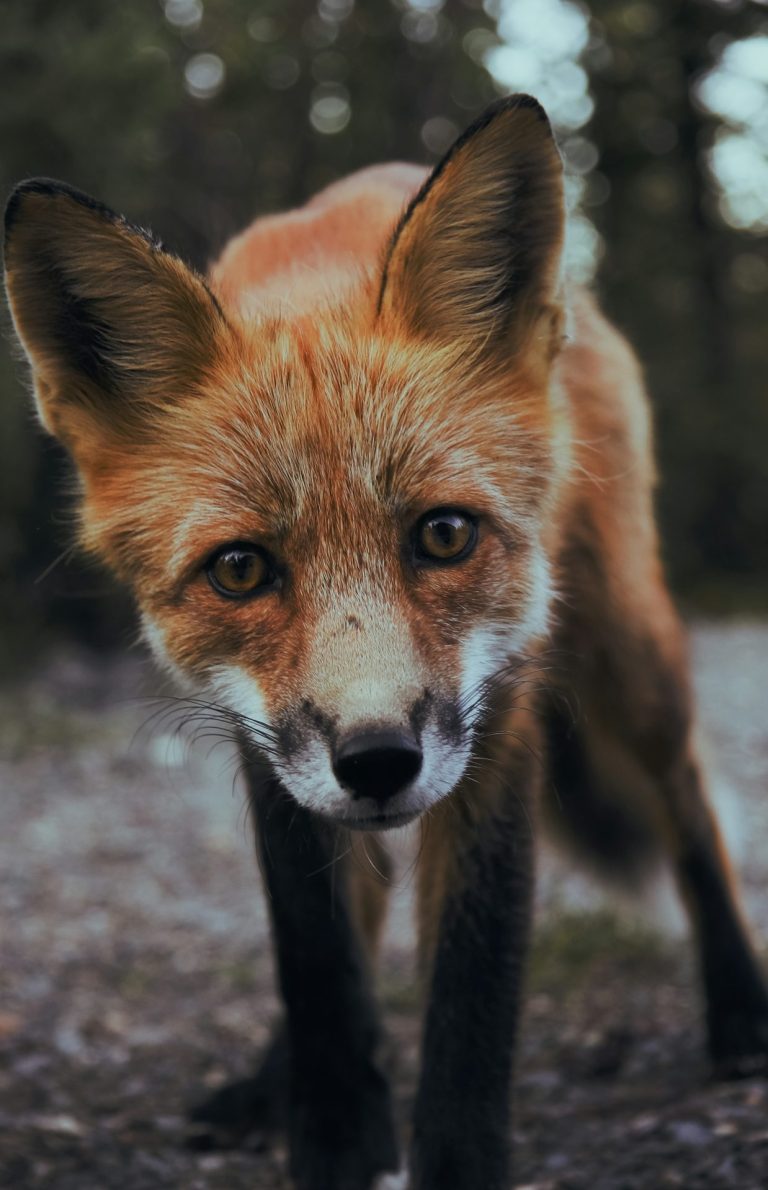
column 377, row 764
column 379, row 768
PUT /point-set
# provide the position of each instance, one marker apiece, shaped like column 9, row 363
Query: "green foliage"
column 572, row 950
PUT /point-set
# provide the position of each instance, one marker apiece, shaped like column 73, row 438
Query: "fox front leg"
column 475, row 905
column 340, row 1126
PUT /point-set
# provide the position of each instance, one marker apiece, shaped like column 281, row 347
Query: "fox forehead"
column 315, row 431
column 321, row 407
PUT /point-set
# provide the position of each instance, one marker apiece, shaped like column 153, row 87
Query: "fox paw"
column 351, row 1170
column 243, row 1114
column 344, row 1139
column 239, row 1115
column 738, row 1045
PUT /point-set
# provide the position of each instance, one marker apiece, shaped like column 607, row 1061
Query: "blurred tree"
column 689, row 288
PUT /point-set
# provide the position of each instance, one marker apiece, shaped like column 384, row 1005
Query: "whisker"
column 371, row 863
column 337, row 858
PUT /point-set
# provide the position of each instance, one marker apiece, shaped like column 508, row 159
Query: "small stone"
column 542, row 1080
column 10, row 1024
column 688, row 1132
column 210, row 1162
column 643, row 1124
column 62, row 1124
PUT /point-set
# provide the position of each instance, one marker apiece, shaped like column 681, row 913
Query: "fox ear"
column 475, row 260
column 113, row 326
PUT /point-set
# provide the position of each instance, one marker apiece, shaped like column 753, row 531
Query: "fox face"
column 334, row 523
column 352, row 570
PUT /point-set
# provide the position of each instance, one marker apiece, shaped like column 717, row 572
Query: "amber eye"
column 445, row 536
column 239, row 570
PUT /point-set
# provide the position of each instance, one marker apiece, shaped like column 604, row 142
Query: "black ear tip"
column 497, row 110
column 44, row 186
column 532, row 104
column 49, row 188
column 15, row 199
column 517, row 103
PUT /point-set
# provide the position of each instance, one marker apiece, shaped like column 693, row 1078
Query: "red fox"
column 382, row 488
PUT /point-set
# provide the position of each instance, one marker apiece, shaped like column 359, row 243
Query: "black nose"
column 377, row 763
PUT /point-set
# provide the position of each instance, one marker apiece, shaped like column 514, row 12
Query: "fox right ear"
column 113, row 326
column 475, row 260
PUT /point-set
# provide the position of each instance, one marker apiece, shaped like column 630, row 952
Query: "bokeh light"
column 330, row 110
column 184, row 14
column 740, row 165
column 438, row 134
column 281, row 71
column 736, row 91
column 204, row 75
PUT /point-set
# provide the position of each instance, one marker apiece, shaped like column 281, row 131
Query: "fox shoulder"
column 318, row 250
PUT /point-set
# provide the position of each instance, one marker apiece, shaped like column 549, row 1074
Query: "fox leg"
column 735, row 993
column 341, row 1132
column 341, row 903
column 634, row 739
column 736, row 997
column 475, row 893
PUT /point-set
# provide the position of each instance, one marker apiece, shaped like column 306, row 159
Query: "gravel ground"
column 135, row 968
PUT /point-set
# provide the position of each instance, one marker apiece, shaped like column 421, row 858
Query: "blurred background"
column 193, row 116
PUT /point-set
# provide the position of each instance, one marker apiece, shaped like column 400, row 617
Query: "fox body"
column 382, row 487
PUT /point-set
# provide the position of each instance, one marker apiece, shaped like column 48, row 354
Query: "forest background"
column 193, row 116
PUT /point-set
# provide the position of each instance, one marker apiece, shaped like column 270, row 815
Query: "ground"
column 135, row 968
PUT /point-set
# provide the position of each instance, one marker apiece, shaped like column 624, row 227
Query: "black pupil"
column 445, row 530
column 240, row 564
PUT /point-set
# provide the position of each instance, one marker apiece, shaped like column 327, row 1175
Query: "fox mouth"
column 383, row 821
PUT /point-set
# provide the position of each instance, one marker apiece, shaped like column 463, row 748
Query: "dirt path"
column 135, row 969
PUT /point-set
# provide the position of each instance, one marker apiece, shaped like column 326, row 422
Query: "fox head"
column 334, row 523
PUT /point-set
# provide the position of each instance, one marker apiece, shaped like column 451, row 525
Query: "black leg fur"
column 735, row 989
column 248, row 1110
column 341, row 1132
column 462, row 1119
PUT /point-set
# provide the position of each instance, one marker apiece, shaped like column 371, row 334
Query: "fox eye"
column 239, row 570
column 445, row 535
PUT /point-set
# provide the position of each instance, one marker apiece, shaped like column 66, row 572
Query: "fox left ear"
column 114, row 327
column 476, row 257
